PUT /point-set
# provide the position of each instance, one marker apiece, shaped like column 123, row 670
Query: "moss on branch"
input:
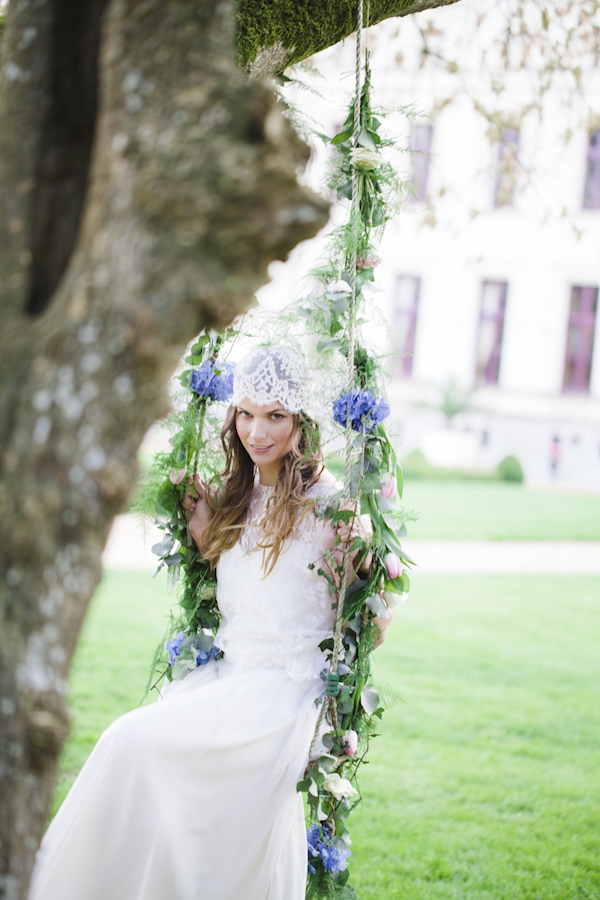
column 273, row 34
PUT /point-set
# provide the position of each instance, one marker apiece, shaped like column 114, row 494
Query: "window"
column 491, row 326
column 580, row 338
column 506, row 167
column 420, row 145
column 591, row 196
column 405, row 321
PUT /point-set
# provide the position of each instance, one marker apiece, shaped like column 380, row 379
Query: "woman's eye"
column 277, row 416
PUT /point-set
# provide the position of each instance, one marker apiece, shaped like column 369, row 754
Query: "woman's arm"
column 195, row 503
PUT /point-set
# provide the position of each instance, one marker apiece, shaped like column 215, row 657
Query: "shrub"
column 510, row 469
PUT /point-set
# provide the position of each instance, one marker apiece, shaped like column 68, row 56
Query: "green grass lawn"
column 485, row 782
column 480, row 510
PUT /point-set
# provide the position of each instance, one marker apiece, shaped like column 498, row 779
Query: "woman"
column 194, row 798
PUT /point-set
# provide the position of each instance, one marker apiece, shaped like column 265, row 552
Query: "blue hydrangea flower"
column 321, row 847
column 203, row 657
column 365, row 410
column 213, row 380
column 173, row 647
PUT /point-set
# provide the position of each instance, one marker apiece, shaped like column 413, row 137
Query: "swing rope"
column 332, row 680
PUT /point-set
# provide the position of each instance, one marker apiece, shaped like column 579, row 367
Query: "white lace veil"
column 273, row 374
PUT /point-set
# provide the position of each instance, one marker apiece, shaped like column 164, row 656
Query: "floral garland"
column 330, row 783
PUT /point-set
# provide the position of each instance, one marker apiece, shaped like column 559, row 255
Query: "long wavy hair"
column 287, row 505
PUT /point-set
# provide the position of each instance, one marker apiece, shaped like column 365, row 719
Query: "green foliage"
column 510, row 469
column 415, row 465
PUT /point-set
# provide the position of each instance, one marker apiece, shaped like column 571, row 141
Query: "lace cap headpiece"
column 272, row 374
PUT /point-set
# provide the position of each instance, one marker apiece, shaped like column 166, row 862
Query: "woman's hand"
column 380, row 627
column 197, row 510
column 346, row 533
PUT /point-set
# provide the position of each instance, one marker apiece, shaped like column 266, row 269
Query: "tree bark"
column 125, row 228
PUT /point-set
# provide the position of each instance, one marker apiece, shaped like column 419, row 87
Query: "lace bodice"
column 278, row 620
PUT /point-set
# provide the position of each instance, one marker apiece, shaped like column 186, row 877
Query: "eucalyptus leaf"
column 332, row 344
column 339, row 305
column 165, row 546
column 366, row 140
column 369, row 699
column 305, row 312
column 174, row 560
column 378, row 607
column 370, row 482
column 386, row 504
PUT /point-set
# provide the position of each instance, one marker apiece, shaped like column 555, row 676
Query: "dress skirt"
column 192, row 798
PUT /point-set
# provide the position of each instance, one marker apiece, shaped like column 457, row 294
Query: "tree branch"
column 274, row 34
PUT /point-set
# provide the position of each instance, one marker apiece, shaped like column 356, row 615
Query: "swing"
column 372, row 482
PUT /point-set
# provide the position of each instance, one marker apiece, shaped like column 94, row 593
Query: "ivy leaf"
column 369, row 699
column 198, row 346
column 344, row 191
column 395, row 585
column 341, row 137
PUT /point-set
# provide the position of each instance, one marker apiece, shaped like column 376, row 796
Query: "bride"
column 194, row 797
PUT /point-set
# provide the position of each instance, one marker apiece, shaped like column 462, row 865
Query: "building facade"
column 490, row 277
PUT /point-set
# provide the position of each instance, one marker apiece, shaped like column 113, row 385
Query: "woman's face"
column 266, row 433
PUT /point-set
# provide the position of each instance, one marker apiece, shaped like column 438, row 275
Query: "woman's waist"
column 293, row 651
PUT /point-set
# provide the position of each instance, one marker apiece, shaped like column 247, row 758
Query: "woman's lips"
column 261, row 449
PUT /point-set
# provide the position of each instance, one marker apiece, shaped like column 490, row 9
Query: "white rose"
column 365, row 159
column 338, row 786
column 393, row 600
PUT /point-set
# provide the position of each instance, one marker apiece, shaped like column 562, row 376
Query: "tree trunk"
column 127, row 224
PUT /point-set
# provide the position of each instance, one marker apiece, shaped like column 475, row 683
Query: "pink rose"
column 350, row 742
column 393, row 565
column 388, row 485
column 177, row 475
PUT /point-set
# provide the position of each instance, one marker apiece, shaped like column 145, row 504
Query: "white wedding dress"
column 194, row 797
